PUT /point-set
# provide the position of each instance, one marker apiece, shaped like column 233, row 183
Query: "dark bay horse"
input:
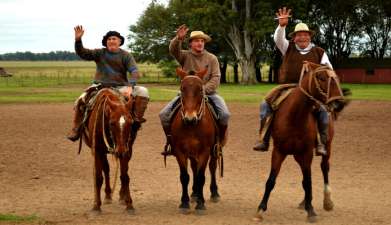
column 294, row 132
column 194, row 137
column 109, row 131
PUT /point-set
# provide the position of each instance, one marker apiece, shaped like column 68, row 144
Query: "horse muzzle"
column 121, row 152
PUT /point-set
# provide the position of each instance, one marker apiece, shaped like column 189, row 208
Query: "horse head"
column 320, row 83
column 118, row 120
column 192, row 95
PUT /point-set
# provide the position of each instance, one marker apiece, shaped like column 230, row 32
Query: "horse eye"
column 322, row 78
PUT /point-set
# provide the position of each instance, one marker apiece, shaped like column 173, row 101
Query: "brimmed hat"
column 112, row 33
column 199, row 34
column 301, row 27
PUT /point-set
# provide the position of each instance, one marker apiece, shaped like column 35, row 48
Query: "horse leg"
column 305, row 165
column 277, row 159
column 200, row 181
column 98, row 182
column 125, row 192
column 184, row 177
column 328, row 205
column 214, row 194
column 106, row 171
column 193, row 195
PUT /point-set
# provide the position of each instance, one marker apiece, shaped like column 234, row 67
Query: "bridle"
column 201, row 110
column 331, row 75
column 110, row 149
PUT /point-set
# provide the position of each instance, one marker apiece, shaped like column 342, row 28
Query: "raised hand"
column 181, row 32
column 79, row 31
column 283, row 15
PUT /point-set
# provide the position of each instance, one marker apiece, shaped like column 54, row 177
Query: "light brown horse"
column 294, row 132
column 194, row 138
column 109, row 130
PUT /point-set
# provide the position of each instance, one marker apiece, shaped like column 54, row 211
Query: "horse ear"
column 202, row 73
column 305, row 66
column 182, row 74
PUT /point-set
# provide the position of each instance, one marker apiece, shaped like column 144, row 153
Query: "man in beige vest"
column 294, row 52
column 196, row 59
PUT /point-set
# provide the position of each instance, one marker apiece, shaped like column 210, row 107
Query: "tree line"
column 30, row 56
column 242, row 30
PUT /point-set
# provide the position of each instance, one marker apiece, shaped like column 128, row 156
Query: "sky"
column 47, row 25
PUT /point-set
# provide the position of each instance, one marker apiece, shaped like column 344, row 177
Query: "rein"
column 109, row 148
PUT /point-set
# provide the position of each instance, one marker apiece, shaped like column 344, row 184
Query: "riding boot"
column 79, row 109
column 223, row 134
column 167, row 147
column 323, row 130
column 139, row 107
column 263, row 143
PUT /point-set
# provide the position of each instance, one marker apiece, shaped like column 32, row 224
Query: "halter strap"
column 312, row 76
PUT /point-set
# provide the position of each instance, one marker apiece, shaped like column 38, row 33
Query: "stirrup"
column 261, row 146
column 167, row 150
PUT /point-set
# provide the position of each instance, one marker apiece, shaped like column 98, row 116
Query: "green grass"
column 164, row 92
column 52, row 81
column 370, row 91
column 15, row 218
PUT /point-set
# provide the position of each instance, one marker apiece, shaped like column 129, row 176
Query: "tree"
column 376, row 28
column 338, row 26
column 151, row 34
column 238, row 24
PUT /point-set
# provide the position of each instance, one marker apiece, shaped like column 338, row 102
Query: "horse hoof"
column 94, row 212
column 258, row 216
column 311, row 219
column 215, row 199
column 184, row 211
column 184, row 208
column 200, row 212
column 328, row 205
column 107, row 201
column 130, row 211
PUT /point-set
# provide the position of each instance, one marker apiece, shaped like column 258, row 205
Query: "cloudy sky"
column 47, row 25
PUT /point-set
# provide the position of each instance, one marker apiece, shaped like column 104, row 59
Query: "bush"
column 168, row 67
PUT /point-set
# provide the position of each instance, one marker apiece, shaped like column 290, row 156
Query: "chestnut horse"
column 194, row 137
column 109, row 131
column 294, row 132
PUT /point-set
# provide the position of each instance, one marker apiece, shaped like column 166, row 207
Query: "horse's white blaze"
column 122, row 123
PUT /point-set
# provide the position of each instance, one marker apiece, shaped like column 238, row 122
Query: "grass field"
column 18, row 219
column 63, row 81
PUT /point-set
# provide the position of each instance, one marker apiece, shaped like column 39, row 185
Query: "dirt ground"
column 41, row 173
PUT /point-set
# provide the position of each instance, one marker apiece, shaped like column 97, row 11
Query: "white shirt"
column 282, row 44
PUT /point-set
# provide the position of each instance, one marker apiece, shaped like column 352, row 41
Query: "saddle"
column 211, row 106
column 92, row 93
column 278, row 94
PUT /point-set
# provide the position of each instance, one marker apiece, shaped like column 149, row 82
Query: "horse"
column 194, row 138
column 294, row 132
column 109, row 130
